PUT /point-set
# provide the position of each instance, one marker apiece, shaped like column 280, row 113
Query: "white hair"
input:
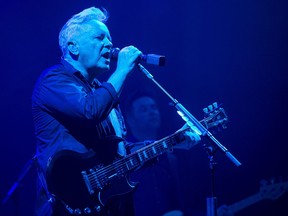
column 75, row 24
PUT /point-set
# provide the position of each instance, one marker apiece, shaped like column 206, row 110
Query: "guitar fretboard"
column 99, row 177
column 138, row 158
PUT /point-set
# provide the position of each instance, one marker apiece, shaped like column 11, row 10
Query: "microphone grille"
column 114, row 53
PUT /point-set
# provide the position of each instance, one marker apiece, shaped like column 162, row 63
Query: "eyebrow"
column 102, row 32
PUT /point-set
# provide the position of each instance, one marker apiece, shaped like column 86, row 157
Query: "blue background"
column 232, row 52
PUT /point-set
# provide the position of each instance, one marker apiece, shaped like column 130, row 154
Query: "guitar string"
column 122, row 162
column 96, row 176
column 94, row 181
column 134, row 158
column 116, row 167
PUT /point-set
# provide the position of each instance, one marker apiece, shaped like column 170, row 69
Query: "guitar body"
column 66, row 183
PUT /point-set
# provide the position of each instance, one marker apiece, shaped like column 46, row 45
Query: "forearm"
column 117, row 80
column 127, row 62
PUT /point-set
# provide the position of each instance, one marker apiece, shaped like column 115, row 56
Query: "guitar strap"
column 43, row 183
column 118, row 128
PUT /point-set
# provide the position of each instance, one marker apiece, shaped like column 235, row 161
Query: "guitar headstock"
column 215, row 117
column 273, row 190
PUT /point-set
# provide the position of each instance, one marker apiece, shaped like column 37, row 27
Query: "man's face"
column 145, row 113
column 94, row 46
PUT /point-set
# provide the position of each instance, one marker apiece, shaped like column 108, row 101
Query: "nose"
column 108, row 43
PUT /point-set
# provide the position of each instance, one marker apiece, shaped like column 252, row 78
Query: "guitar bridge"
column 87, row 182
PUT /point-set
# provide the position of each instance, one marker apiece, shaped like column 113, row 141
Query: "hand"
column 128, row 59
column 191, row 139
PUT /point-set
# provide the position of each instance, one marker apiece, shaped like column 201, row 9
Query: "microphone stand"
column 27, row 167
column 211, row 202
column 196, row 126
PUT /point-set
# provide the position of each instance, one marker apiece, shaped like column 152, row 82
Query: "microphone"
column 153, row 59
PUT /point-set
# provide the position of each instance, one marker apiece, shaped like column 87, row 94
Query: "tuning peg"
column 210, row 107
column 215, row 105
column 205, row 110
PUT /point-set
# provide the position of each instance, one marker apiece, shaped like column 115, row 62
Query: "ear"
column 73, row 47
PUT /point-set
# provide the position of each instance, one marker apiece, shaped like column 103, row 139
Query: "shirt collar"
column 72, row 70
column 68, row 66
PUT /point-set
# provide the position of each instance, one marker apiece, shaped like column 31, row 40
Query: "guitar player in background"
column 79, row 128
column 157, row 192
column 269, row 190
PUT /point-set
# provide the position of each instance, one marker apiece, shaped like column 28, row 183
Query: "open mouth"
column 106, row 55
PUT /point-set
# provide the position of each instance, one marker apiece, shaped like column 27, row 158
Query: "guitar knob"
column 51, row 200
column 87, row 210
column 77, row 211
column 98, row 208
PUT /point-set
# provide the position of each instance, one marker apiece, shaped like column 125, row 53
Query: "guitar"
column 270, row 191
column 84, row 184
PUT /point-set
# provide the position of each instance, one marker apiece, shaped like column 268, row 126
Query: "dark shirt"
column 72, row 114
